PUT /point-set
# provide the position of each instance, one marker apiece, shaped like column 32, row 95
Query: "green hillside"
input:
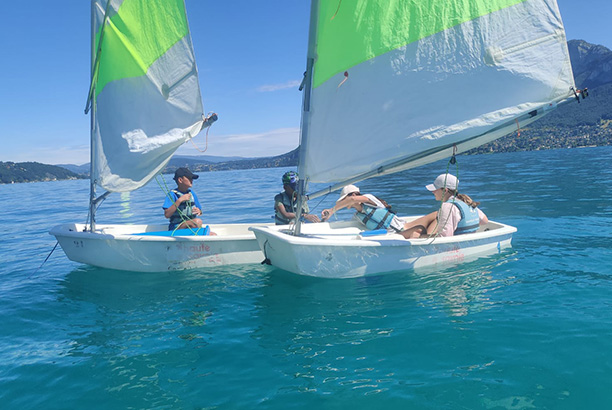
column 13, row 172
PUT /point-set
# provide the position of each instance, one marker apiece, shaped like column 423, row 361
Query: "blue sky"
column 251, row 57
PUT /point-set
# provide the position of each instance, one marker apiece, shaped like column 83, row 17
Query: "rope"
column 166, row 191
column 210, row 119
column 344, row 80
column 206, row 146
column 46, row 259
column 451, row 161
column 337, row 9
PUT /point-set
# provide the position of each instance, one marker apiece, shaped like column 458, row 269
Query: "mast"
column 91, row 105
column 92, row 101
column 307, row 85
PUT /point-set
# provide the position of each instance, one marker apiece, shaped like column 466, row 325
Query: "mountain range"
column 587, row 123
column 581, row 124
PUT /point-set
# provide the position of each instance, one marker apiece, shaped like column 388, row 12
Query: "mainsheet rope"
column 167, row 191
column 451, row 161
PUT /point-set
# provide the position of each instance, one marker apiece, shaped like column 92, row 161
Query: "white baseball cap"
column 349, row 189
column 444, row 181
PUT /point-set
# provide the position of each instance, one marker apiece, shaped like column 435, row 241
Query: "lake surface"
column 529, row 328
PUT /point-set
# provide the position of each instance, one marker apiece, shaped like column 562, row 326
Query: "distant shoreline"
column 477, row 151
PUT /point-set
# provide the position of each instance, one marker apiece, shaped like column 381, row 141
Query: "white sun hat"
column 444, row 181
column 349, row 189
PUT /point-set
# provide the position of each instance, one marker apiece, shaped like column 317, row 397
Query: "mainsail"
column 397, row 84
column 145, row 93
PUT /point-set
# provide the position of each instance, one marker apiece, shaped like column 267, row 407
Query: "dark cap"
column 184, row 172
column 291, row 178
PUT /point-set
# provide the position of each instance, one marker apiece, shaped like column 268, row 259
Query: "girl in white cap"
column 372, row 211
column 458, row 213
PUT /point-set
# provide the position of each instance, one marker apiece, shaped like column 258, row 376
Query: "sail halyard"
column 462, row 86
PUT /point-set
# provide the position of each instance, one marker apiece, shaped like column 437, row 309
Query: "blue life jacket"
column 470, row 221
column 375, row 218
column 184, row 211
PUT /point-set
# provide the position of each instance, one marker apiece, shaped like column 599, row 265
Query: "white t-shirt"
column 449, row 217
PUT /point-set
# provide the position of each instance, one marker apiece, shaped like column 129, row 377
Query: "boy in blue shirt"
column 182, row 206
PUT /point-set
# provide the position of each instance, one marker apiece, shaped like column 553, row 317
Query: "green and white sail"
column 396, row 84
column 145, row 91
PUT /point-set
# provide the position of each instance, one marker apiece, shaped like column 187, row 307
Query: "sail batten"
column 498, row 63
column 147, row 93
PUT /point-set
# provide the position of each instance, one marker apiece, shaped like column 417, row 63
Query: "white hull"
column 120, row 247
column 337, row 250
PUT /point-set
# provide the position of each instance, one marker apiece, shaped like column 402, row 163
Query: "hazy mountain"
column 592, row 64
column 577, row 124
column 285, row 160
column 77, row 169
column 205, row 158
column 12, row 172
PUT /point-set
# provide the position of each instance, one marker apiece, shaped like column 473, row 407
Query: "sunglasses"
column 354, row 194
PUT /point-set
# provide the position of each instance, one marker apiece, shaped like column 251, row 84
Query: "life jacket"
column 289, row 207
column 470, row 221
column 184, row 211
column 375, row 218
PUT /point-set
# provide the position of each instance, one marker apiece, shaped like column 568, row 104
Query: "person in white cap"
column 458, row 213
column 373, row 212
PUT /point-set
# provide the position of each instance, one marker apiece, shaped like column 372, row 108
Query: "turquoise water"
column 530, row 328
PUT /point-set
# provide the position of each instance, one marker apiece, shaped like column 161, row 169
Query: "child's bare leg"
column 414, row 232
column 192, row 223
column 419, row 226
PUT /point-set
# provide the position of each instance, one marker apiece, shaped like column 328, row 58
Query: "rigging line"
column 46, row 259
column 317, row 205
column 337, row 9
column 206, row 146
column 346, row 74
column 97, row 202
column 266, row 260
column 181, row 214
column 518, row 129
column 209, row 120
column 453, row 161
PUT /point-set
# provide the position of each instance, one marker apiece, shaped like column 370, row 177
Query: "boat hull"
column 338, row 250
column 123, row 247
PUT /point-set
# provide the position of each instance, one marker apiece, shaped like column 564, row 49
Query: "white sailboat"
column 145, row 103
column 396, row 85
